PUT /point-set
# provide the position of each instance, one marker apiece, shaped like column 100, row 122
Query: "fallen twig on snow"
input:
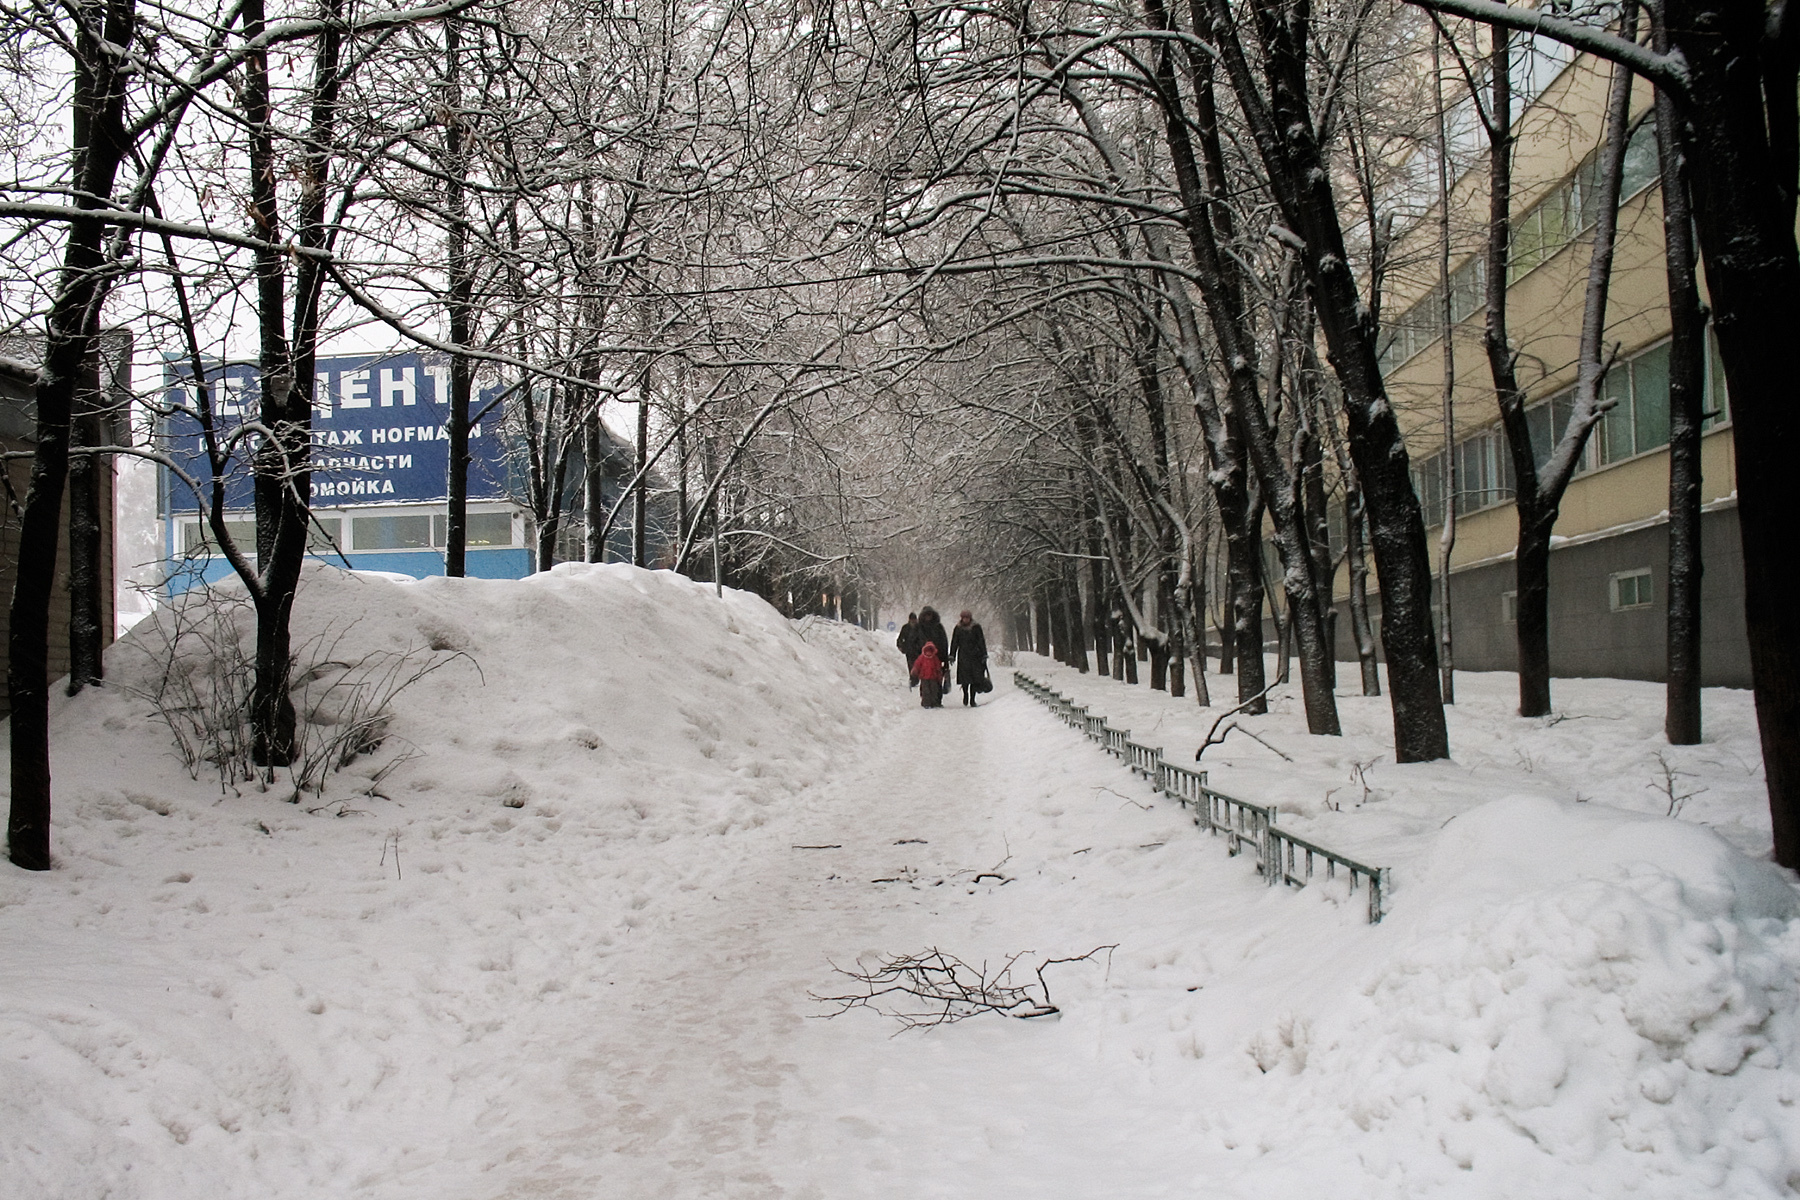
column 935, row 988
column 1212, row 740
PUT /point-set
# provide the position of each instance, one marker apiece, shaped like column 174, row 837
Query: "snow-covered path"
column 569, row 946
column 704, row 1073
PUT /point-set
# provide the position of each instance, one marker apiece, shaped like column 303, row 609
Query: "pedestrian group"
column 930, row 653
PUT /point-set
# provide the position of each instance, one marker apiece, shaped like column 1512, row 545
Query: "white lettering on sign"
column 228, row 397
column 398, row 384
column 356, row 389
column 353, row 487
column 439, row 374
column 322, row 396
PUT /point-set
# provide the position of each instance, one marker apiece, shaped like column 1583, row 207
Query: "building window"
column 196, row 536
column 324, row 534
column 1568, row 211
column 390, row 532
column 1631, row 589
column 490, row 529
column 482, row 530
column 1509, row 608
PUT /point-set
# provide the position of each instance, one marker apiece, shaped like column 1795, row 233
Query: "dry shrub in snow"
column 195, row 666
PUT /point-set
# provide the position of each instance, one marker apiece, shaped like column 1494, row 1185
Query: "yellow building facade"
column 1609, row 562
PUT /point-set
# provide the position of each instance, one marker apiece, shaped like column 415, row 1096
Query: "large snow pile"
column 230, row 994
column 640, row 683
column 1570, row 993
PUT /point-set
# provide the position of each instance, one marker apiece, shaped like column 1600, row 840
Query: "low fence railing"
column 1280, row 856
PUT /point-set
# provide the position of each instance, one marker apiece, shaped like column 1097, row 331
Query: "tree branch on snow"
column 934, row 988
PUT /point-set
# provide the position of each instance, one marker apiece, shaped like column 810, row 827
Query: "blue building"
column 380, row 463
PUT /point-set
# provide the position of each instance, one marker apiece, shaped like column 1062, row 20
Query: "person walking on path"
column 931, row 629
column 968, row 650
column 909, row 642
column 928, row 669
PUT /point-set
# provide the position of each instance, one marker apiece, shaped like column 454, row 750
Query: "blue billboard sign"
column 379, row 432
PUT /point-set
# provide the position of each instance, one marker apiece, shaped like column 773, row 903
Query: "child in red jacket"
column 928, row 669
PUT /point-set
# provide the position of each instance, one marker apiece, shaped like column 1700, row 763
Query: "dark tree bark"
column 1539, row 491
column 1243, row 551
column 1077, row 622
column 104, row 33
column 1096, row 585
column 1687, row 386
column 1299, row 176
column 640, row 488
column 459, row 304
column 593, row 489
column 1223, row 297
column 1310, row 458
column 1226, row 622
column 87, row 576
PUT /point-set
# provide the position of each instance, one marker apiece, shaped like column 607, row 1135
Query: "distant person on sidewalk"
column 968, row 650
column 931, row 629
column 909, row 641
column 928, row 669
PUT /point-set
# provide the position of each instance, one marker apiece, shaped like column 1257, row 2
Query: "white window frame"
column 1617, row 577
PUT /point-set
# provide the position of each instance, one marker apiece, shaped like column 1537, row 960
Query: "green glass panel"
column 1650, row 398
column 392, row 533
column 1617, row 426
column 1641, row 169
column 490, row 529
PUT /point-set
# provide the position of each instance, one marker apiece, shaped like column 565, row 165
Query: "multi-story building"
column 1609, row 562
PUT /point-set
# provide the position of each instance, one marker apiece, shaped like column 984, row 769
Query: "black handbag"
column 985, row 684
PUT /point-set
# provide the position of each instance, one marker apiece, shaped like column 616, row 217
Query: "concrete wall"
column 1588, row 638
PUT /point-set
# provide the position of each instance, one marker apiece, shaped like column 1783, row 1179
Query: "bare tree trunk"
column 459, row 305
column 86, row 571
column 1447, row 342
column 1244, row 568
column 1538, row 497
column 1354, row 557
column 640, row 494
column 1286, row 140
column 1077, row 620
column 1095, row 587
column 1687, row 402
column 1226, row 618
column 1226, row 309
column 101, row 75
column 593, row 489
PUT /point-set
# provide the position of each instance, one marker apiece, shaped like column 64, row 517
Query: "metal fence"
column 1281, row 857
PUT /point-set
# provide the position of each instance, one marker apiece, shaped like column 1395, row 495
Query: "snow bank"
column 1576, row 993
column 230, row 994
column 1570, row 995
column 639, row 688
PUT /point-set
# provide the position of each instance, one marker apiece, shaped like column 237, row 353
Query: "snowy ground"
column 590, row 973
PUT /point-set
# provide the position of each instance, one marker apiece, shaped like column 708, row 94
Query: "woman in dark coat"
column 931, row 629
column 968, row 649
column 909, row 642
